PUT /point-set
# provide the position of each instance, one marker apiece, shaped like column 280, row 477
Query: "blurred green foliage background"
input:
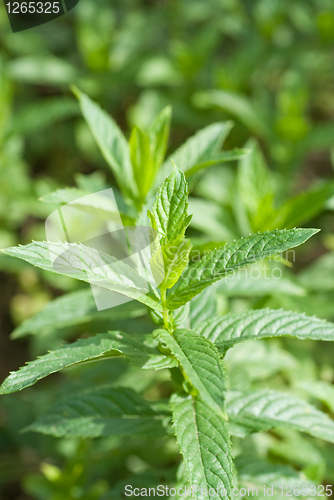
column 266, row 65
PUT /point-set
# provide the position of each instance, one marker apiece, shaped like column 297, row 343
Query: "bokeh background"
column 266, row 65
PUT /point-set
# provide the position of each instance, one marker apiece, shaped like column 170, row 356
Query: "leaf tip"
column 75, row 91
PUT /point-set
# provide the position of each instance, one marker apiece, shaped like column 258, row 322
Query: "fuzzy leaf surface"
column 86, row 264
column 176, row 257
column 228, row 259
column 200, row 361
column 204, row 444
column 226, row 331
column 169, row 214
column 140, row 350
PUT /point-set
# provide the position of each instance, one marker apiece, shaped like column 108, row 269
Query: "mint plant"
column 188, row 337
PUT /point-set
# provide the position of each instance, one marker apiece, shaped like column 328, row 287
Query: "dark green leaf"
column 104, row 412
column 225, row 331
column 201, row 363
column 204, row 444
column 228, row 259
column 141, row 351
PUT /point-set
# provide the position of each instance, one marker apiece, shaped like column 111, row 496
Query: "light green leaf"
column 110, row 140
column 237, row 105
column 202, row 307
column 204, row 444
column 176, row 257
column 201, row 363
column 74, row 309
column 159, row 135
column 93, row 183
column 218, row 184
column 319, row 276
column 258, row 280
column 320, row 390
column 255, row 473
column 301, row 208
column 42, row 113
column 103, row 412
column 142, row 161
column 97, row 204
column 86, row 264
column 266, row 409
column 169, row 213
column 198, row 149
column 258, row 360
column 223, row 157
column 253, row 179
column 211, row 219
column 225, row 331
column 42, row 69
column 140, row 350
column 228, row 259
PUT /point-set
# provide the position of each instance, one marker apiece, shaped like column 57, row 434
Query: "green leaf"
column 198, row 149
column 169, row 213
column 86, row 264
column 259, row 280
column 266, row 409
column 201, row 363
column 175, row 257
column 152, row 478
column 102, row 412
column 253, row 179
column 140, row 350
column 223, row 157
column 319, row 276
column 209, row 218
column 258, row 360
column 228, row 259
column 320, row 390
column 225, row 331
column 301, row 208
column 238, row 106
column 97, row 204
column 255, row 473
column 204, row 444
column 74, row 309
column 159, row 135
column 110, row 140
column 218, row 184
column 202, row 307
column 41, row 114
column 142, row 161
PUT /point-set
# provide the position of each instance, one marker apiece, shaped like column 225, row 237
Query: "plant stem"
column 165, row 310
